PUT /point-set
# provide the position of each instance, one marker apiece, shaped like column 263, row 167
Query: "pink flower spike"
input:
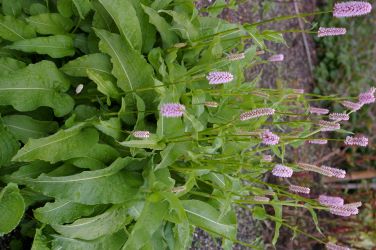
column 354, row 204
column 329, row 126
column 351, row 8
column 236, row 57
column 336, row 172
column 269, row 138
column 358, row 140
column 276, row 58
column 172, row 110
column 343, row 211
column 219, row 77
column 318, row 141
column 282, row 171
column 339, row 117
column 141, row 134
column 267, row 158
column 318, row 111
column 261, row 199
column 331, row 32
column 354, row 106
column 331, row 200
column 367, row 97
column 256, row 113
column 211, row 104
column 299, row 189
column 332, row 246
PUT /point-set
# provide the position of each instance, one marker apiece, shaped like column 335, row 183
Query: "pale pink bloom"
column 336, row 172
column 236, row 57
column 141, row 134
column 298, row 91
column 358, row 140
column 299, row 189
column 261, row 198
column 343, row 211
column 318, row 141
column 332, row 246
column 314, row 168
column 331, row 32
column 219, row 77
column 339, row 117
column 260, row 94
column 256, row 113
column 354, row 204
column 267, row 158
column 172, row 110
column 282, row 171
column 331, row 200
column 328, row 126
column 318, row 111
column 367, row 97
column 211, row 104
column 269, row 138
column 354, row 106
column 276, row 58
column 351, row 8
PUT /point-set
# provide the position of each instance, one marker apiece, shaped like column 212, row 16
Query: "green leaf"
column 83, row 7
column 65, row 7
column 8, row 145
column 55, row 46
column 61, row 212
column 277, row 221
column 109, row 222
column 9, row 65
column 13, row 29
column 12, row 208
column 104, row 86
column 98, row 63
column 114, row 241
column 12, row 7
column 37, row 85
column 183, row 24
column 65, row 144
column 97, row 157
column 109, row 185
column 259, row 213
column 150, row 220
column 129, row 66
column 50, row 23
column 153, row 142
column 169, row 37
column 110, row 127
column 24, row 127
column 172, row 152
column 40, row 241
column 101, row 18
column 125, row 17
column 205, row 216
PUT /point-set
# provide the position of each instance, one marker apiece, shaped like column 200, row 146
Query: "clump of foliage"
column 115, row 136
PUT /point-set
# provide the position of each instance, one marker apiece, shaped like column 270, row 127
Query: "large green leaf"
column 98, row 63
column 12, row 208
column 104, row 85
column 65, row 144
column 37, row 85
column 61, row 212
column 129, row 67
column 83, row 7
column 125, row 17
column 109, row 222
column 169, row 37
column 13, row 29
column 55, row 46
column 65, row 7
column 9, row 65
column 205, row 216
column 40, row 241
column 150, row 220
column 8, row 145
column 50, row 23
column 24, row 127
column 114, row 241
column 12, row 7
column 109, row 185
